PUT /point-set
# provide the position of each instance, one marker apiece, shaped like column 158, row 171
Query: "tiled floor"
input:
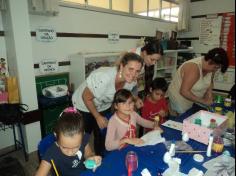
column 30, row 166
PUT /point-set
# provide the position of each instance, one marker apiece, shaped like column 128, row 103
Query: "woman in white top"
column 94, row 96
column 193, row 81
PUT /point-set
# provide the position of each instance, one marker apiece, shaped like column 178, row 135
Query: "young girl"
column 155, row 103
column 71, row 147
column 121, row 128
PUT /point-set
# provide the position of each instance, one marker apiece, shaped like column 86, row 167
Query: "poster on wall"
column 228, row 36
column 46, row 34
column 210, row 31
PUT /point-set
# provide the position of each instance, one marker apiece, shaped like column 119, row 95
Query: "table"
column 151, row 157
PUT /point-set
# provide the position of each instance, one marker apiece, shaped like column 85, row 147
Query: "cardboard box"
column 202, row 133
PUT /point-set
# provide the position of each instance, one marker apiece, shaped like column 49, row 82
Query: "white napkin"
column 151, row 138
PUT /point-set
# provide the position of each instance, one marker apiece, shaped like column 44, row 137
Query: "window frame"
column 115, row 12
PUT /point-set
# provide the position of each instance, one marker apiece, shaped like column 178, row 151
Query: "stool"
column 17, row 143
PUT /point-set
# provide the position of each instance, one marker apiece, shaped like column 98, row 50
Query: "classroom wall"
column 72, row 20
column 205, row 7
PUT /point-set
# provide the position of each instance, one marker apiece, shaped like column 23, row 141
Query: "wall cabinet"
column 82, row 64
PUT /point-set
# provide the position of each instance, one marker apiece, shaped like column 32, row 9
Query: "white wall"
column 204, row 8
column 71, row 20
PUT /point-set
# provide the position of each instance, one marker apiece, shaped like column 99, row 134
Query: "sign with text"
column 48, row 66
column 113, row 37
column 46, row 34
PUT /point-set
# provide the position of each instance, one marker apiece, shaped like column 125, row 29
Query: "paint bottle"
column 209, row 147
column 172, row 148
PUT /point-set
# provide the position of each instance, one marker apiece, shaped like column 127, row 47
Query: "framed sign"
column 48, row 66
column 46, row 34
column 113, row 37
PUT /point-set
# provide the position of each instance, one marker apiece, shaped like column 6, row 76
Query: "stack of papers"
column 151, row 138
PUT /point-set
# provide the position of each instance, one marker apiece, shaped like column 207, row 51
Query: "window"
column 99, row 3
column 169, row 11
column 75, row 1
column 140, row 7
column 120, row 5
column 163, row 9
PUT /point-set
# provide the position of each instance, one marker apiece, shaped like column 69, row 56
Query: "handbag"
column 12, row 113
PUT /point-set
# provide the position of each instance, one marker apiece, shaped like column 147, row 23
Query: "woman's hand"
column 102, row 121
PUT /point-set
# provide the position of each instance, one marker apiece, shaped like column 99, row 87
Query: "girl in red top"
column 155, row 103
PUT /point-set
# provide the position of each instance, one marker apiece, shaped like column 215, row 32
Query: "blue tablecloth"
column 151, row 157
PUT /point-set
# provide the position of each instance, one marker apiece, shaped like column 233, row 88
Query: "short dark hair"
column 121, row 96
column 129, row 56
column 218, row 56
column 69, row 124
column 159, row 84
column 152, row 46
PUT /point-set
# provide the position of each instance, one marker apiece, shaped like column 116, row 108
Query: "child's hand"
column 135, row 141
column 162, row 113
column 98, row 161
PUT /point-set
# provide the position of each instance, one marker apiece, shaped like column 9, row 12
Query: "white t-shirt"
column 101, row 83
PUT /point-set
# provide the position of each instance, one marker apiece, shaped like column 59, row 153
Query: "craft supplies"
column 145, row 172
column 218, row 144
column 54, row 167
column 172, row 148
column 191, row 151
column 195, row 172
column 227, row 102
column 185, row 137
column 218, row 99
column 213, row 124
column 90, row 164
column 202, row 133
column 199, row 158
column 198, row 121
column 218, row 110
column 209, row 147
column 167, row 157
column 231, row 119
column 131, row 161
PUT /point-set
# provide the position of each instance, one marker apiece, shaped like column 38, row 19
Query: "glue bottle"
column 209, row 146
column 172, row 148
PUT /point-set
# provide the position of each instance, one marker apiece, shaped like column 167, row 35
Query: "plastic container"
column 213, row 124
column 218, row 144
column 198, row 121
column 227, row 102
column 131, row 161
column 218, row 110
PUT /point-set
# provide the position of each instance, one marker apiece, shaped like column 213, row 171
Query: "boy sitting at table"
column 155, row 104
column 121, row 129
column 71, row 148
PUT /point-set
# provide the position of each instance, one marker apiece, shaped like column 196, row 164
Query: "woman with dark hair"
column 193, row 81
column 151, row 52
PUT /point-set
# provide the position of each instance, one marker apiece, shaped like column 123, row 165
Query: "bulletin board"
column 227, row 39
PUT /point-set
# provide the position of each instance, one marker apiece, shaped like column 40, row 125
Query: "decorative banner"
column 46, row 34
column 113, row 37
column 48, row 66
column 228, row 36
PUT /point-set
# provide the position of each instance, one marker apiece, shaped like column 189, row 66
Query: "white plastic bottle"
column 209, row 146
column 172, row 149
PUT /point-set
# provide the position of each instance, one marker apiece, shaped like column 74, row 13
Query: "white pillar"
column 17, row 30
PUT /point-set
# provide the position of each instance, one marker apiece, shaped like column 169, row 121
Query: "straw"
column 54, row 167
column 191, row 151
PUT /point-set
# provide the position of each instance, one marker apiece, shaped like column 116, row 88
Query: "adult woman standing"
column 193, row 81
column 94, row 96
column 151, row 52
